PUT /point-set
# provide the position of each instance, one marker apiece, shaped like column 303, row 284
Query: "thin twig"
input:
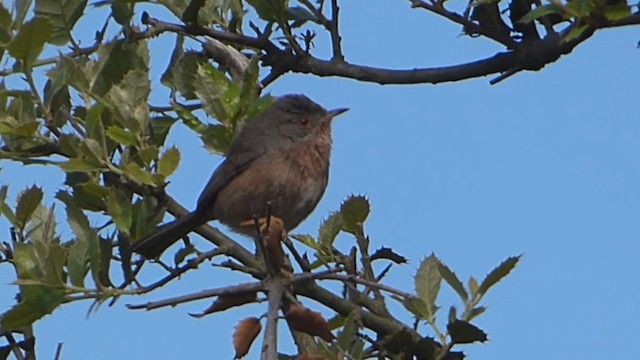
column 227, row 290
column 335, row 33
column 439, row 9
column 351, row 278
column 15, row 348
column 58, row 351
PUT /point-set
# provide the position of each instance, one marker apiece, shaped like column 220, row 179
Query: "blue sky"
column 544, row 164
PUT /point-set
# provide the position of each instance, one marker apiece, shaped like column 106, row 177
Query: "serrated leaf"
column 26, row 261
column 182, row 75
column 30, row 40
column 427, row 282
column 68, row 72
column 63, row 15
column 498, row 273
column 354, row 210
column 169, row 161
column 417, row 307
column 307, row 240
column 452, row 279
column 78, row 262
column 121, row 136
column 119, row 209
column 77, row 219
column 329, row 230
column 27, row 204
column 462, row 332
column 136, row 173
column 539, row 12
column 36, row 302
column 129, row 98
column 116, row 59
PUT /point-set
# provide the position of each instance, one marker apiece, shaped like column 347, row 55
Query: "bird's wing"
column 241, row 155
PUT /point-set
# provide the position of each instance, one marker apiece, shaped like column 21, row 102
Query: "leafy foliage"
column 91, row 118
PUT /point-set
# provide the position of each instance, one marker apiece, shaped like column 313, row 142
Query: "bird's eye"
column 304, row 120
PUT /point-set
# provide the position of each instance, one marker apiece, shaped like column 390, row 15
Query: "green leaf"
column 190, row 120
column 346, row 336
column 618, row 11
column 473, row 286
column 122, row 12
column 77, row 219
column 160, row 127
column 218, row 94
column 181, row 74
column 452, row 279
column 68, row 72
column 169, row 161
column 5, row 27
column 129, row 97
column 121, row 136
column 329, row 230
column 575, row 32
column 300, row 15
column 78, row 262
column 462, row 332
column 36, row 302
column 63, row 15
column 119, row 209
column 264, row 9
column 30, row 40
column 453, row 314
column 540, row 11
column 307, row 240
column 116, row 59
column 21, row 10
column 26, row 261
column 498, row 273
column 427, row 283
column 27, row 204
column 581, row 8
column 216, row 139
column 82, row 165
column 354, row 211
column 5, row 18
column 475, row 312
column 136, row 173
column 417, row 307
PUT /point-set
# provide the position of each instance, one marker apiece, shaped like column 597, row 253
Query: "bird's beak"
column 335, row 112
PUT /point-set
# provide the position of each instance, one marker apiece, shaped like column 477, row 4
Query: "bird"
column 280, row 157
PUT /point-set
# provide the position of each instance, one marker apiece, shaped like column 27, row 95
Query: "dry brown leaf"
column 310, row 322
column 246, row 332
column 273, row 242
column 224, row 302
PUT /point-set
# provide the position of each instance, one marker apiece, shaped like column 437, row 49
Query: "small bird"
column 280, row 158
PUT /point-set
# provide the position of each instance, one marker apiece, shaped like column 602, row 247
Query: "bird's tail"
column 166, row 235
